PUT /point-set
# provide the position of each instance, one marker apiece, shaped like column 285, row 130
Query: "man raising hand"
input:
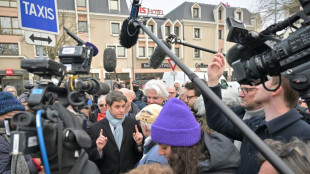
column 118, row 147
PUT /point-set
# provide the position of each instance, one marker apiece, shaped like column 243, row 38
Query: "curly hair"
column 185, row 160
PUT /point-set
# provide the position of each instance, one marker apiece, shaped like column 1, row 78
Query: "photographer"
column 281, row 120
column 9, row 106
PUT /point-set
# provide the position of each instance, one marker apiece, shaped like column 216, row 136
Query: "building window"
column 177, row 52
column 239, row 15
column 197, row 33
column 45, row 51
column 82, row 26
column 8, row 49
column 150, row 51
column 167, row 30
column 141, row 51
column 220, row 34
column 196, row 12
column 114, row 4
column 177, row 31
column 9, row 25
column 141, row 31
column 81, row 3
column 119, row 50
column 220, row 14
column 197, row 53
column 151, row 28
column 8, row 3
column 115, row 28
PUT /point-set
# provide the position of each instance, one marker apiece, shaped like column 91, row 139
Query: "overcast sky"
column 168, row 5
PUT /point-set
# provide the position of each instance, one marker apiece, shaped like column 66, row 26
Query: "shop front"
column 16, row 78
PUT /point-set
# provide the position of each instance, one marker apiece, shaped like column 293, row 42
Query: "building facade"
column 100, row 21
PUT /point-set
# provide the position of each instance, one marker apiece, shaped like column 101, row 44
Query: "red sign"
column 172, row 64
column 144, row 10
column 9, row 72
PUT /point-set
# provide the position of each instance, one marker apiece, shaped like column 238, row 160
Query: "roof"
column 183, row 11
column 96, row 6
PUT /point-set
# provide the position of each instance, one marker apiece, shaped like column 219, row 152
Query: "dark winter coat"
column 281, row 128
column 114, row 161
column 20, row 164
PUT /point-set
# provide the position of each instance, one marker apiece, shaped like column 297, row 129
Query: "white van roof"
column 170, row 77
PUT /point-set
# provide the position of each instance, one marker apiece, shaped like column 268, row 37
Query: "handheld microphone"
column 109, row 60
column 129, row 34
column 158, row 56
column 81, row 42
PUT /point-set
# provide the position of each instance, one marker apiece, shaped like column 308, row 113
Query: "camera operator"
column 281, row 120
column 9, row 106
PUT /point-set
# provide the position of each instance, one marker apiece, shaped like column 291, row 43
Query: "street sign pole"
column 41, row 51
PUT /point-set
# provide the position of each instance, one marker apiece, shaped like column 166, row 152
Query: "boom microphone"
column 158, row 56
column 129, row 34
column 81, row 42
column 109, row 60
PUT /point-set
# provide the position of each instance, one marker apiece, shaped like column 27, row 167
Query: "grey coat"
column 224, row 156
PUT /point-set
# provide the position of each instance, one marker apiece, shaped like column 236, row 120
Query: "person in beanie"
column 147, row 116
column 186, row 148
column 9, row 106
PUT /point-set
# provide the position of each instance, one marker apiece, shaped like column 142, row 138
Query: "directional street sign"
column 38, row 15
column 172, row 64
column 36, row 38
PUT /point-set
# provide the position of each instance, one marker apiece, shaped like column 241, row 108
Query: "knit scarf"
column 118, row 128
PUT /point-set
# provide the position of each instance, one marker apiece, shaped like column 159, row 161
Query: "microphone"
column 109, row 60
column 129, row 34
column 104, row 89
column 81, row 42
column 244, row 52
column 92, row 86
column 158, row 56
column 233, row 54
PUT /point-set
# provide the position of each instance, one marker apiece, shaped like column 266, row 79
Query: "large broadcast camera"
column 289, row 57
column 52, row 129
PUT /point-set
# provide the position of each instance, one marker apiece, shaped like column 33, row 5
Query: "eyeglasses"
column 101, row 105
column 245, row 90
column 190, row 97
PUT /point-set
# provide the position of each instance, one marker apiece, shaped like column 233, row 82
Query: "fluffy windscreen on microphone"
column 129, row 34
column 244, row 53
column 158, row 56
column 95, row 49
column 109, row 59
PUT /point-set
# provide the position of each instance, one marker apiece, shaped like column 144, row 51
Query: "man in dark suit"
column 116, row 140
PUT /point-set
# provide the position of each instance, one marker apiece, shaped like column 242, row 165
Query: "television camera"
column 50, row 128
column 290, row 57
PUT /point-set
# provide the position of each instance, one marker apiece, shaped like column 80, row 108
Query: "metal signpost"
column 172, row 65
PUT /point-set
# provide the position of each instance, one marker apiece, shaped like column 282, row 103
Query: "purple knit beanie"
column 176, row 125
column 9, row 103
